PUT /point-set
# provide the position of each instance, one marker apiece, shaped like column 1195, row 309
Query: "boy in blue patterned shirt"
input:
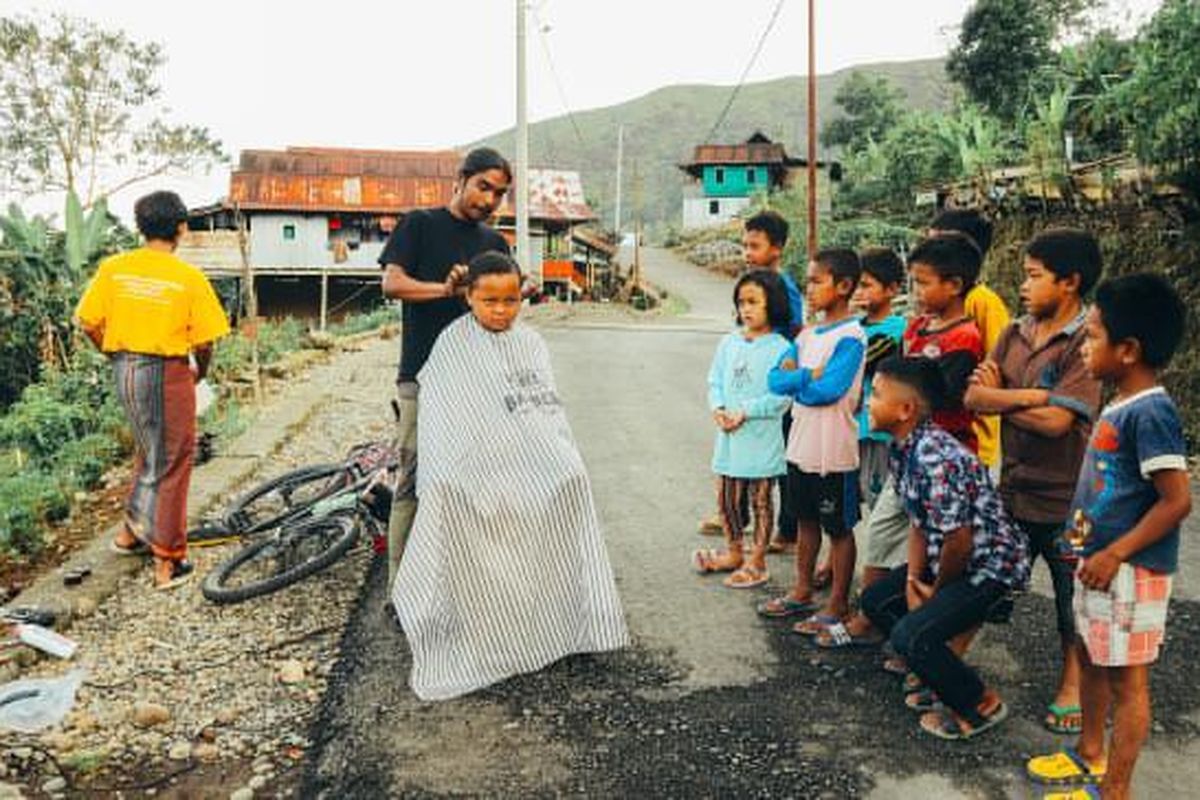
column 1133, row 494
column 965, row 558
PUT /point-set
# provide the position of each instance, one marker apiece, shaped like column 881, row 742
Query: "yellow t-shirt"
column 991, row 315
column 153, row 303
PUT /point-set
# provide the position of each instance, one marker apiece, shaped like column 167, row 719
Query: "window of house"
column 714, row 206
column 751, row 177
column 289, row 233
column 719, row 175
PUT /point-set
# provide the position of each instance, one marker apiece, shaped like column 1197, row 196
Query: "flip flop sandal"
column 945, row 724
column 895, row 665
column 138, row 548
column 815, row 624
column 838, row 636
column 1066, row 767
column 781, row 546
column 785, row 606
column 704, row 561
column 181, row 573
column 923, row 699
column 750, row 578
column 1089, row 792
column 1056, row 722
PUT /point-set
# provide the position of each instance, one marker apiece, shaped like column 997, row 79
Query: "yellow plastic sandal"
column 1089, row 792
column 1065, row 767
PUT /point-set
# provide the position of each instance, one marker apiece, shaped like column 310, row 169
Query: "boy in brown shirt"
column 1037, row 381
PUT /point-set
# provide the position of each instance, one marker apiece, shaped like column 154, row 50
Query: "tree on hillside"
column 81, row 110
column 1005, row 48
column 871, row 107
column 1159, row 101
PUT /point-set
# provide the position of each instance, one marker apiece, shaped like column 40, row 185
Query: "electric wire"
column 762, row 39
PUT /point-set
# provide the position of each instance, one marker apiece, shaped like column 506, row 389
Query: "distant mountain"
column 662, row 127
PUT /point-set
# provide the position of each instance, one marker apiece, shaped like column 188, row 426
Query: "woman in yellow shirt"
column 148, row 311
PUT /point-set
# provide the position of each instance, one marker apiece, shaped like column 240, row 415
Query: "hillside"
column 662, row 127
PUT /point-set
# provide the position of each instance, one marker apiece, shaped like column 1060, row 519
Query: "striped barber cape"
column 505, row 570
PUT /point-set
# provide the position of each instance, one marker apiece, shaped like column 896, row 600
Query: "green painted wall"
column 735, row 181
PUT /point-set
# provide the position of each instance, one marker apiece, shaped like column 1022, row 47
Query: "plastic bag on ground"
column 33, row 704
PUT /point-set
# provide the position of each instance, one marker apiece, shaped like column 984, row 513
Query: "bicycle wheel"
column 278, row 560
column 268, row 505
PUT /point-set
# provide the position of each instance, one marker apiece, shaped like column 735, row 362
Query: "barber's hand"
column 455, row 280
column 1097, row 570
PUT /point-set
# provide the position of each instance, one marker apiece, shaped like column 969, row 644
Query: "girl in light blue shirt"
column 749, row 450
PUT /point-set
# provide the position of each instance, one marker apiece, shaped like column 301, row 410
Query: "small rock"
column 147, row 715
column 180, row 751
column 227, row 715
column 208, row 733
column 54, row 785
column 263, row 766
column 258, row 782
column 206, row 752
column 291, row 671
column 85, row 606
column 244, row 793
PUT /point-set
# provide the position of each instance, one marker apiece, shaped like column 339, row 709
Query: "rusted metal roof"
column 758, row 149
column 555, row 195
column 337, row 179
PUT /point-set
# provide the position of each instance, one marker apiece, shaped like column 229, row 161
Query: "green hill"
column 662, row 127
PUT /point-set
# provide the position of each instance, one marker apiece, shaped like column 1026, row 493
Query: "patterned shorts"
column 1124, row 626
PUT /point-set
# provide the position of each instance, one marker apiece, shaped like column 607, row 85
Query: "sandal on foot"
column 747, row 578
column 1066, row 767
column 785, row 606
column 1063, row 719
column 181, row 573
column 912, row 683
column 138, row 548
column 945, row 724
column 895, row 665
column 1089, row 792
column 709, row 560
column 923, row 699
column 781, row 546
column 838, row 636
column 815, row 624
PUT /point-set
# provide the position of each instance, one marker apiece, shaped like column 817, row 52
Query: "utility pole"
column 524, row 257
column 250, row 299
column 812, row 130
column 620, row 159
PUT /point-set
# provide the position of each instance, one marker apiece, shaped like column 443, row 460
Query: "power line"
column 749, row 66
column 558, row 84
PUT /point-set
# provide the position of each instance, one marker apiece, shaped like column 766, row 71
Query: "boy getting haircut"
column 1132, row 497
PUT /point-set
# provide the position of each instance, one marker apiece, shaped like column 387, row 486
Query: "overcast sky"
column 422, row 74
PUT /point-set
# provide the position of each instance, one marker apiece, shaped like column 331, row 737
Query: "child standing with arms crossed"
column 1133, row 494
column 824, row 377
column 748, row 453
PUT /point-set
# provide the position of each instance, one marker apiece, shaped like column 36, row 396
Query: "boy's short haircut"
column 842, row 263
column 969, row 221
column 491, row 262
column 882, row 264
column 158, row 215
column 921, row 374
column 950, row 255
column 1144, row 307
column 770, row 223
column 1067, row 252
column 779, row 310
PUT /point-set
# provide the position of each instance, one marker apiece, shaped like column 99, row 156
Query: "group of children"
column 912, row 420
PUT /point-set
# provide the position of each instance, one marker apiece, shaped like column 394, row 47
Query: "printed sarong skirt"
column 159, row 397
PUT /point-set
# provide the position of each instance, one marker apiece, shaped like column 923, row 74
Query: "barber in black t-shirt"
column 424, row 261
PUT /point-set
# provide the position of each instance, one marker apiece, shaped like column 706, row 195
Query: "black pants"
column 1046, row 540
column 787, row 527
column 921, row 636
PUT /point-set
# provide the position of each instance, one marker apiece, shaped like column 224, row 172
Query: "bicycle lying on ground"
column 303, row 521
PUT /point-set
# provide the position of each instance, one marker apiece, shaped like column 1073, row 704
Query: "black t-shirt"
column 427, row 244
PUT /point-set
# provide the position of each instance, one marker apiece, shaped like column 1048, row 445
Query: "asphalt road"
column 710, row 701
